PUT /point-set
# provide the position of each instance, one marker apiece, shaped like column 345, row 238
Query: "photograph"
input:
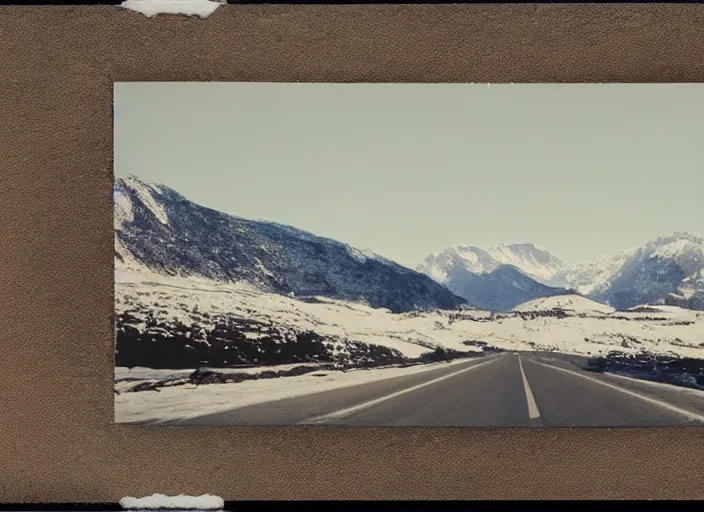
column 408, row 254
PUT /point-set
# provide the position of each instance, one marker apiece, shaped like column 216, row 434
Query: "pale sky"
column 407, row 170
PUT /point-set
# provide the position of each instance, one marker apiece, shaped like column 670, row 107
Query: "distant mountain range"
column 499, row 290
column 158, row 228
column 500, row 278
column 668, row 270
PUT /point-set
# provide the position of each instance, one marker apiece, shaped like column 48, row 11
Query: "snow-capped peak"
column 135, row 183
column 532, row 260
column 145, row 193
column 680, row 235
column 590, row 276
column 535, row 262
column 666, row 269
column 364, row 255
column 676, row 245
column 660, row 270
column 122, row 209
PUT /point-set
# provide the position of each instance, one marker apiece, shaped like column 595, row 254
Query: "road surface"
column 507, row 390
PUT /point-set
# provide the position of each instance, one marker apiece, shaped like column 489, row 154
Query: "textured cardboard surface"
column 57, row 66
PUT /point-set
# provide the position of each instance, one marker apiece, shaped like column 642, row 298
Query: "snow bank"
column 674, row 313
column 139, row 373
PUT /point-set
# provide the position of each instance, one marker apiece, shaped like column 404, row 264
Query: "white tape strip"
column 180, row 502
column 149, row 8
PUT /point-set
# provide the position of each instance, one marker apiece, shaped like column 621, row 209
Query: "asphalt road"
column 506, row 390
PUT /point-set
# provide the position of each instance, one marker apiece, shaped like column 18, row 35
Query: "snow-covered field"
column 178, row 298
column 585, row 326
column 569, row 303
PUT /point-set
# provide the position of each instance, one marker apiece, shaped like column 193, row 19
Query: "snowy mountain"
column 499, row 278
column 498, row 290
column 668, row 270
column 157, row 228
column 536, row 263
column 594, row 275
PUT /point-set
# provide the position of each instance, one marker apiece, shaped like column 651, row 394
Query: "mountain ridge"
column 666, row 270
column 159, row 228
column 534, row 261
column 501, row 289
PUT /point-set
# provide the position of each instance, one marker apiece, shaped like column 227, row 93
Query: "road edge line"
column 688, row 414
column 658, row 384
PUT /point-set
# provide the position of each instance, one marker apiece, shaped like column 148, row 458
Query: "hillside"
column 571, row 303
column 158, row 228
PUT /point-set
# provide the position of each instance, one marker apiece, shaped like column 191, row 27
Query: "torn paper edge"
column 149, row 8
column 180, row 502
